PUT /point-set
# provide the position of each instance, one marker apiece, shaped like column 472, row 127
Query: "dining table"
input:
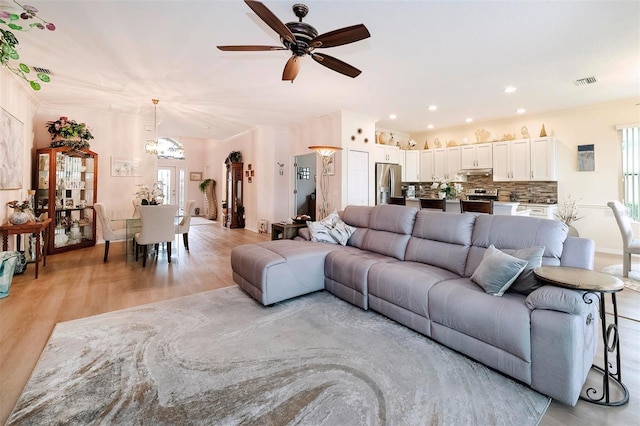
column 133, row 225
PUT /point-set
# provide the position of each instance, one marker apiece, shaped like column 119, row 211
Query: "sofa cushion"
column 389, row 231
column 503, row 322
column 349, row 269
column 441, row 239
column 406, row 284
column 358, row 217
column 513, row 233
column 497, row 271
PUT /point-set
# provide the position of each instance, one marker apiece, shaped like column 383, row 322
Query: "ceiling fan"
column 302, row 39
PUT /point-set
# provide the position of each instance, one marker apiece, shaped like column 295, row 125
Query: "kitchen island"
column 507, row 208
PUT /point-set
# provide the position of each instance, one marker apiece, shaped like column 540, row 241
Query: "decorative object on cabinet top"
column 65, row 132
column 234, row 157
column 8, row 40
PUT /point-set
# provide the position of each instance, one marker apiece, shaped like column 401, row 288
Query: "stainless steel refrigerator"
column 388, row 182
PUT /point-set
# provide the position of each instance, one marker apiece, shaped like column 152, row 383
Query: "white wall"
column 17, row 100
column 594, row 124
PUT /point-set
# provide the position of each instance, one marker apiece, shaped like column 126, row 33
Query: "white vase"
column 19, row 217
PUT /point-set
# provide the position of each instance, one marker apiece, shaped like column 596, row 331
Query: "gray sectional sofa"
column 415, row 268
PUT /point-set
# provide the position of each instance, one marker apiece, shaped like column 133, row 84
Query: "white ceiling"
column 117, row 55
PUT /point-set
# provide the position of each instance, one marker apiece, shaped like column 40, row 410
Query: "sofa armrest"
column 578, row 253
column 560, row 299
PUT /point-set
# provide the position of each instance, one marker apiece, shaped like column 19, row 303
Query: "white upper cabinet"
column 476, row 156
column 453, row 162
column 544, row 164
column 411, row 168
column 440, row 163
column 427, row 172
column 513, row 160
column 386, row 154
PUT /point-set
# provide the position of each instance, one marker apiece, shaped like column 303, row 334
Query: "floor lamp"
column 325, row 153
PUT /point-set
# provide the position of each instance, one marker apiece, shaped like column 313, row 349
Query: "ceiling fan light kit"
column 302, row 39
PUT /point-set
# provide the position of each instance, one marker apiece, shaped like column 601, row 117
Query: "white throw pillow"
column 331, row 229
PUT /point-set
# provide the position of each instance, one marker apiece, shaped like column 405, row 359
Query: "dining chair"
column 400, row 201
column 434, row 203
column 185, row 223
column 630, row 245
column 476, row 206
column 157, row 226
column 108, row 233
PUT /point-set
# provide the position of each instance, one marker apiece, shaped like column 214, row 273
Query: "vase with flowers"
column 567, row 212
column 65, row 132
column 22, row 212
column 150, row 195
column 447, row 188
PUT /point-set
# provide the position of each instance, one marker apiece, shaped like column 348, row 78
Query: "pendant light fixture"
column 151, row 147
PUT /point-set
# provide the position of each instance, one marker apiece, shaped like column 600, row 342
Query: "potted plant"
column 568, row 213
column 208, row 188
column 65, row 132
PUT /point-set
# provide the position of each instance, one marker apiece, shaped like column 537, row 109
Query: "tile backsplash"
column 525, row 192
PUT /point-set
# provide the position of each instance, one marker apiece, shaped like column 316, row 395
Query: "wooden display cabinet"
column 66, row 189
column 235, row 208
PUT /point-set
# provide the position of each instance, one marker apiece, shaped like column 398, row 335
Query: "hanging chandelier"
column 151, row 147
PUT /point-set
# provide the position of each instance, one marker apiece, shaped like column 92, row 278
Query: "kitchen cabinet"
column 66, row 190
column 542, row 211
column 511, row 161
column 411, row 167
column 386, row 154
column 427, row 172
column 544, row 165
column 525, row 160
column 476, row 156
column 446, row 162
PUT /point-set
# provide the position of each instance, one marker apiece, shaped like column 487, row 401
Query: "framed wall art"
column 125, row 167
column 11, row 151
column 586, row 158
column 195, row 176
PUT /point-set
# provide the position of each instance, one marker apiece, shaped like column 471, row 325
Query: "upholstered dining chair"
column 157, row 226
column 476, row 206
column 434, row 203
column 630, row 245
column 185, row 224
column 108, row 233
column 400, row 201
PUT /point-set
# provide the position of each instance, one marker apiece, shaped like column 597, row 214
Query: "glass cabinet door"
column 66, row 192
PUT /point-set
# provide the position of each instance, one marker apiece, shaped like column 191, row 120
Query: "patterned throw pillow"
column 331, row 229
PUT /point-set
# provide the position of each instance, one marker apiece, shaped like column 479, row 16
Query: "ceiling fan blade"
column 249, row 48
column 342, row 36
column 336, row 65
column 271, row 20
column 291, row 68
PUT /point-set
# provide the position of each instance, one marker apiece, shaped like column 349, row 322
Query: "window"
column 170, row 149
column 631, row 170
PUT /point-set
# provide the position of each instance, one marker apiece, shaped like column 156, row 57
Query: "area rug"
column 221, row 358
column 631, row 283
column 198, row 220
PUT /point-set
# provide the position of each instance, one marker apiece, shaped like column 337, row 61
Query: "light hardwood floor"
column 78, row 284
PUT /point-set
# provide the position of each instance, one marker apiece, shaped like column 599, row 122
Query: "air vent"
column 42, row 70
column 585, row 81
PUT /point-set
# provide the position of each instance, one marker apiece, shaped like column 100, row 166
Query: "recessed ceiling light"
column 510, row 89
column 393, row 116
column 521, row 110
column 430, row 126
column 468, row 120
column 433, row 107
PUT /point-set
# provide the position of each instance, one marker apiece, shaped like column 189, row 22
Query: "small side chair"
column 630, row 245
column 108, row 233
column 158, row 226
column 476, row 206
column 434, row 203
column 185, row 224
